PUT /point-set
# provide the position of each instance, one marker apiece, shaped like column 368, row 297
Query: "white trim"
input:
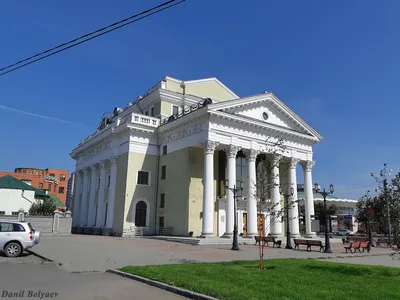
column 137, row 177
column 135, row 202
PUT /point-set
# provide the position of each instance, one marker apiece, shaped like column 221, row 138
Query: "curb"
column 163, row 286
column 40, row 256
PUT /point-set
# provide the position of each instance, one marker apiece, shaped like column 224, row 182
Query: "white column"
column 309, row 195
column 76, row 199
column 252, row 197
column 208, row 189
column 83, row 208
column 91, row 207
column 231, row 152
column 100, row 199
column 294, row 209
column 111, row 193
column 276, row 217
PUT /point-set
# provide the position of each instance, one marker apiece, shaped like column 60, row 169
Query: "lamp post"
column 286, row 195
column 324, row 194
column 235, row 245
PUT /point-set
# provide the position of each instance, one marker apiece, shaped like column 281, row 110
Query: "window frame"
column 162, row 200
column 163, row 172
column 172, row 110
column 152, row 111
column 148, row 177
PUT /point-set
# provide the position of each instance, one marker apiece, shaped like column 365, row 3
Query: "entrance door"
column 260, row 224
column 161, row 225
column 244, row 224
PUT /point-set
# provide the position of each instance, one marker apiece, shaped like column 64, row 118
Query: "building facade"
column 162, row 162
column 52, row 181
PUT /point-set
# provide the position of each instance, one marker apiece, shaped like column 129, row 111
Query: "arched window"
column 140, row 215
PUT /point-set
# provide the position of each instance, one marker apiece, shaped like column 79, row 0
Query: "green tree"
column 46, row 206
column 331, row 210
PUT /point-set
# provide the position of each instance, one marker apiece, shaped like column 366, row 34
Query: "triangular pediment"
column 266, row 109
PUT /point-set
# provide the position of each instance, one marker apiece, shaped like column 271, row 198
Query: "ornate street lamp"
column 235, row 245
column 324, row 194
column 286, row 194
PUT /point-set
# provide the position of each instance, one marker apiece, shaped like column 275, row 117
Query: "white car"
column 15, row 237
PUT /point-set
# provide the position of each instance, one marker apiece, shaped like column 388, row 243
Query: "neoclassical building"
column 160, row 164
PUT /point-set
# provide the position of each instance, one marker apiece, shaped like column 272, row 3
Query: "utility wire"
column 97, row 33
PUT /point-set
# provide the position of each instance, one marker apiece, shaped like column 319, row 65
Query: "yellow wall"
column 176, row 190
column 205, row 89
column 196, row 165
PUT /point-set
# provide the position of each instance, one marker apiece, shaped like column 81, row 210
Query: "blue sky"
column 336, row 63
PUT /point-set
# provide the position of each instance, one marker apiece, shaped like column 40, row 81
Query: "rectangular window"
column 30, row 172
column 62, row 177
column 2, row 213
column 146, row 112
column 108, row 180
column 175, row 110
column 162, row 200
column 40, row 186
column 163, row 172
column 143, row 178
column 152, row 111
column 98, row 183
column 61, row 190
column 164, row 150
column 23, row 171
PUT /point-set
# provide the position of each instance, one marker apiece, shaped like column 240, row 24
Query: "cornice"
column 259, row 124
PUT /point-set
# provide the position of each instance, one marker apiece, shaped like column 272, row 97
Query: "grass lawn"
column 281, row 279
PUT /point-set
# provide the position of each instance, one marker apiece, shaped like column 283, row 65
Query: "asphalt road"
column 29, row 278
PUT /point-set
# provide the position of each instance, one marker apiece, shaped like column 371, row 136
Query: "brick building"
column 52, row 181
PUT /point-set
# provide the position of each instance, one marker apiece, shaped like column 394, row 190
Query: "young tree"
column 383, row 210
column 331, row 210
column 264, row 185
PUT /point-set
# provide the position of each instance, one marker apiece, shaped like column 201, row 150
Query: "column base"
column 206, row 235
column 310, row 235
column 250, row 235
column 277, row 235
column 107, row 231
column 88, row 230
column 96, row 230
column 227, row 235
column 295, row 235
column 79, row 230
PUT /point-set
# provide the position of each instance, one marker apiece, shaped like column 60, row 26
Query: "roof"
column 9, row 182
column 318, row 196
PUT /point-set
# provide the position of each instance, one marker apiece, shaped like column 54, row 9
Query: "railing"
column 142, row 119
column 138, row 231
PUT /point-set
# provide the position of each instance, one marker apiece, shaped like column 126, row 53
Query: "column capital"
column 251, row 154
column 307, row 165
column 103, row 164
column 113, row 160
column 209, row 146
column 293, row 162
column 231, row 150
column 275, row 159
column 93, row 167
column 86, row 171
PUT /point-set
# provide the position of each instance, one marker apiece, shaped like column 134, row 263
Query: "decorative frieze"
column 183, row 133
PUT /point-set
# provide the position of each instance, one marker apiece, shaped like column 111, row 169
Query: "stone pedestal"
column 97, row 230
column 107, row 231
column 87, row 230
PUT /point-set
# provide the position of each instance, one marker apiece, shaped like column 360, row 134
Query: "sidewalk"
column 80, row 253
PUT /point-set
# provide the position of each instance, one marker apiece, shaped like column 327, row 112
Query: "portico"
column 168, row 170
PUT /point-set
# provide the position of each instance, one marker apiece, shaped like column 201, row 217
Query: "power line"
column 97, row 33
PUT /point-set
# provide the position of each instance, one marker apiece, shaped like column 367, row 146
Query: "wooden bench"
column 353, row 245
column 364, row 246
column 308, row 243
column 298, row 242
column 316, row 243
column 268, row 239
